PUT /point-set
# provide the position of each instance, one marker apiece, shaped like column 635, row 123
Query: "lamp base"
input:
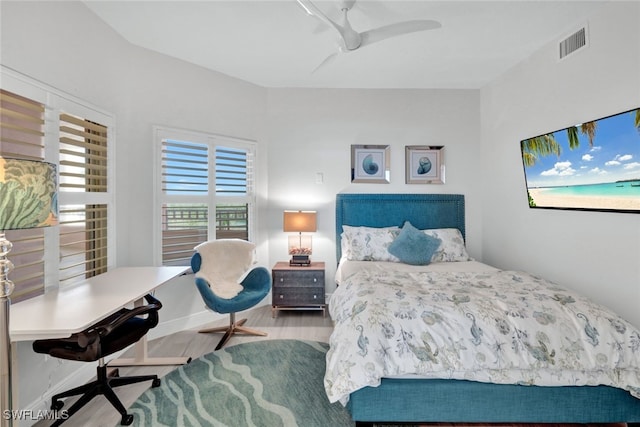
column 300, row 261
column 6, row 288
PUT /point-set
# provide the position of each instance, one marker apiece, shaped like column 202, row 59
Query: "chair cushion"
column 223, row 264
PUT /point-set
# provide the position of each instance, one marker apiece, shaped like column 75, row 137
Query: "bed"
column 402, row 397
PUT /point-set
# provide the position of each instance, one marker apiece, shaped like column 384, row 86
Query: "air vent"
column 574, row 42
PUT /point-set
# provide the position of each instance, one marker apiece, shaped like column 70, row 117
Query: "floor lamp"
column 28, row 199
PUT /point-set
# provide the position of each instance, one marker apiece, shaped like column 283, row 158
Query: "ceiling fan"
column 350, row 40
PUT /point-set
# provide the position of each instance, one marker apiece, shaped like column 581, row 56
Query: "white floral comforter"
column 500, row 327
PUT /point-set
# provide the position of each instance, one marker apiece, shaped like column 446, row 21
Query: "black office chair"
column 106, row 337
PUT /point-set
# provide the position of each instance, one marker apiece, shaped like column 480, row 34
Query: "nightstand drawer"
column 298, row 295
column 298, row 278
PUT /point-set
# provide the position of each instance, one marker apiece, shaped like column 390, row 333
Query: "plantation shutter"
column 22, row 136
column 83, row 218
column 185, row 178
column 234, row 179
column 190, row 212
column 22, row 127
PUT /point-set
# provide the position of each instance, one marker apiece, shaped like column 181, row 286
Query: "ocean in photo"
column 611, row 189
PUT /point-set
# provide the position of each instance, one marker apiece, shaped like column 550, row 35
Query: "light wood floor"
column 306, row 325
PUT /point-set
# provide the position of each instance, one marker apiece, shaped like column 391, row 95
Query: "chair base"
column 103, row 385
column 233, row 328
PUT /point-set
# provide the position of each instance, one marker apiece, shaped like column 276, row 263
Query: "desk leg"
column 141, row 357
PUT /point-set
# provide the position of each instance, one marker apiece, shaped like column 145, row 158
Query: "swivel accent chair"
column 227, row 283
column 106, row 337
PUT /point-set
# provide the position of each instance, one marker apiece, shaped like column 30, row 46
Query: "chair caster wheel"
column 126, row 420
column 156, row 383
column 57, row 405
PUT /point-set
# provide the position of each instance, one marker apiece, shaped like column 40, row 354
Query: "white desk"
column 61, row 312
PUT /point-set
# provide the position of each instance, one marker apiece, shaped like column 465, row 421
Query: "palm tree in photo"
column 589, row 129
column 572, row 135
column 543, row 145
column 546, row 145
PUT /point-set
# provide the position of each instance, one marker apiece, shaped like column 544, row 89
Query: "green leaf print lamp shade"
column 28, row 199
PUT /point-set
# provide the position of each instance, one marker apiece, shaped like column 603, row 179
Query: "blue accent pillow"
column 414, row 247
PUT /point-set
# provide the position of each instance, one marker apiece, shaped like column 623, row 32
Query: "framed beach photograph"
column 370, row 164
column 424, row 164
column 593, row 165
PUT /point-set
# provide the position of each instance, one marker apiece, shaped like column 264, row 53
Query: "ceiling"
column 276, row 44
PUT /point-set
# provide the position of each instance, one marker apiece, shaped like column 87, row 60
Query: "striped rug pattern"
column 263, row 383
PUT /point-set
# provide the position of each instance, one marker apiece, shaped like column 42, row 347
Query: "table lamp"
column 28, row 199
column 299, row 246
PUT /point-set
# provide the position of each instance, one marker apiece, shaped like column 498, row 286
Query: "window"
column 191, row 164
column 83, row 220
column 41, row 123
column 22, row 136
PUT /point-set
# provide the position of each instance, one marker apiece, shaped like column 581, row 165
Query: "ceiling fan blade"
column 326, row 61
column 313, row 10
column 397, row 29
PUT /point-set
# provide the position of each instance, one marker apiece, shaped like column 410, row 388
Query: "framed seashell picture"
column 424, row 164
column 370, row 164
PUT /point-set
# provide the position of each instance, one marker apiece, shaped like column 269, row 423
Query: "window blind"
column 22, row 136
column 232, row 171
column 185, row 175
column 83, row 155
column 41, row 123
column 21, row 127
column 83, row 226
column 191, row 212
column 234, row 191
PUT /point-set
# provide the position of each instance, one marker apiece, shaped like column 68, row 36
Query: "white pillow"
column 452, row 247
column 368, row 243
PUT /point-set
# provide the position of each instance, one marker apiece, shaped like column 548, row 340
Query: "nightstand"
column 297, row 288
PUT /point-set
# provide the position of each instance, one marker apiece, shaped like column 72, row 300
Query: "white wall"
column 595, row 253
column 311, row 131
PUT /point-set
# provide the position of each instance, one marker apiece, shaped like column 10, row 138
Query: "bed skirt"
column 409, row 400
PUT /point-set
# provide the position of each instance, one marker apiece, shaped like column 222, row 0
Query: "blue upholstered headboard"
column 385, row 210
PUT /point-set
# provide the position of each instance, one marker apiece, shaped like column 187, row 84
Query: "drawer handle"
column 315, row 280
column 315, row 296
column 281, row 296
column 282, row 279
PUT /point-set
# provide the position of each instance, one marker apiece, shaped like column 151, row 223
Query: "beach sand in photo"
column 543, row 198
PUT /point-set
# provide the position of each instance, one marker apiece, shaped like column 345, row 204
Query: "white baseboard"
column 188, row 322
column 191, row 321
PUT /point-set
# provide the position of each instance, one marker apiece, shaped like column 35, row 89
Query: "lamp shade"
column 28, row 194
column 299, row 221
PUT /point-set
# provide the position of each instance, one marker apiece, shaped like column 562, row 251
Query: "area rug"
column 262, row 383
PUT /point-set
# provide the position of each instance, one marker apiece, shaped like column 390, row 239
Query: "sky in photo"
column 615, row 155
